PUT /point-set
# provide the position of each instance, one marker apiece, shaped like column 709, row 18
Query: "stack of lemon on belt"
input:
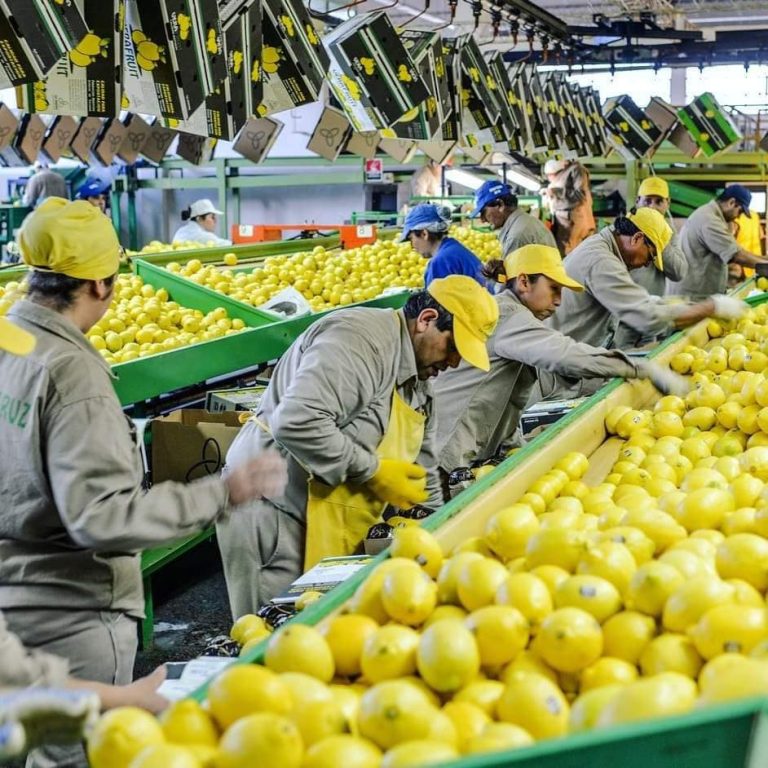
column 581, row 606
column 156, row 246
column 483, row 243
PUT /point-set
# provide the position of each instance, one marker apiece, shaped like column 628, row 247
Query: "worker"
column 496, row 205
column 654, row 193
column 74, row 514
column 350, row 407
column 201, row 224
column 750, row 236
column 96, row 192
column 709, row 245
column 477, row 411
column 602, row 264
column 43, row 183
column 426, row 228
column 569, row 199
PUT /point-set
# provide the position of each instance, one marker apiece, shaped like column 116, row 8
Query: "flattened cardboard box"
column 58, row 137
column 363, row 144
column 158, row 142
column 293, row 60
column 108, row 142
column 29, row 138
column 243, row 88
column 257, row 137
column 197, row 150
column 596, row 120
column 710, row 126
column 84, row 137
column 137, row 132
column 665, row 117
column 632, row 132
column 9, row 125
column 483, row 101
column 87, row 80
column 371, row 73
column 45, row 29
column 17, row 63
column 451, row 128
column 533, row 129
column 511, row 110
column 438, row 150
column 400, row 150
column 330, row 134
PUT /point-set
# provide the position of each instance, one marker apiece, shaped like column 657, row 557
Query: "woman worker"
column 478, row 412
column 74, row 515
column 200, row 225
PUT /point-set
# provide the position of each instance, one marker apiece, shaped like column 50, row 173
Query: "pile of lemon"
column 143, row 321
column 156, row 246
column 484, row 244
column 10, row 293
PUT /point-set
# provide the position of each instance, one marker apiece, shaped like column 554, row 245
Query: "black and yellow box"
column 480, row 91
column 631, row 131
column 509, row 127
column 535, row 127
column 710, row 126
column 451, row 128
column 87, row 80
column 371, row 73
column 293, row 60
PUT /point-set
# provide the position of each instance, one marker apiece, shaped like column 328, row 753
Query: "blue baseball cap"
column 425, row 216
column 92, row 187
column 490, row 191
column 740, row 194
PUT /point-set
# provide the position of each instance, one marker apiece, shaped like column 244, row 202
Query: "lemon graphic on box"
column 270, row 59
column 212, row 43
column 287, row 23
column 148, row 54
column 352, row 87
column 237, row 62
column 474, row 74
column 185, row 24
column 86, row 51
column 404, row 74
column 40, row 96
column 312, row 35
column 368, row 65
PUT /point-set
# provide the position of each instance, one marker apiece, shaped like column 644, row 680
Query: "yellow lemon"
column 243, row 689
column 448, row 575
column 389, row 652
column 609, row 560
column 626, row 634
column 186, row 722
column 343, row 750
column 688, row 563
column 659, row 526
column 588, row 707
column 686, row 605
column 574, row 464
column 230, row 259
column 660, row 696
column 507, row 532
column 729, row 629
column 468, row 721
column 744, row 556
column 705, row 508
column 741, row 678
column 606, row 671
column 448, row 656
column 316, row 720
column 120, row 735
column 165, row 756
column 415, row 543
column 528, row 594
column 412, row 754
column 536, row 704
column 300, row 648
column 408, row 594
column 592, row 594
column 346, row 636
column 263, row 738
column 670, row 653
column 499, row 737
column 484, row 694
column 640, row 546
column 501, row 632
column 651, row 587
column 569, row 639
column 446, row 612
column 555, row 546
column 303, row 688
column 478, row 582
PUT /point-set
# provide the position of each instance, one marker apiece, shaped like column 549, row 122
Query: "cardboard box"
column 665, row 117
column 511, row 118
column 401, row 150
column 363, row 144
column 438, row 150
column 9, row 125
column 243, row 88
column 330, row 134
column 108, row 141
column 84, row 137
column 483, row 101
column 189, row 444
column 29, row 138
column 710, row 126
column 158, row 142
column 371, row 73
column 595, row 121
column 451, row 129
column 17, row 63
column 245, row 399
column 58, row 136
column 197, row 150
column 631, row 131
column 137, row 132
column 293, row 60
column 546, row 413
column 257, row 137
column 87, row 80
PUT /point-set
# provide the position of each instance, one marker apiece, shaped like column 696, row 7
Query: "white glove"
column 728, row 307
column 666, row 381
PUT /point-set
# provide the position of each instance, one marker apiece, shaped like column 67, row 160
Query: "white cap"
column 203, row 207
column 554, row 166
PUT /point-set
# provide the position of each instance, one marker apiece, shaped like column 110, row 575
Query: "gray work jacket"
column 521, row 229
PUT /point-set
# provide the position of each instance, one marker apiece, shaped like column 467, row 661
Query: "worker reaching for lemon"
column 350, row 407
column 478, row 411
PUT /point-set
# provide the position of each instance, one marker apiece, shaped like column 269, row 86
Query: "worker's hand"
column 263, row 476
column 666, row 381
column 728, row 307
column 399, row 483
column 140, row 693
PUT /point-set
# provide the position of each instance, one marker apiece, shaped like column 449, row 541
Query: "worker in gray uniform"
column 496, row 205
column 478, row 412
column 654, row 193
column 350, row 407
column 43, row 183
column 709, row 245
column 602, row 264
column 74, row 514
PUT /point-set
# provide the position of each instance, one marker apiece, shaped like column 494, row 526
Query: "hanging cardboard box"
column 710, row 126
column 158, row 142
column 87, row 80
column 137, row 132
column 243, row 43
column 58, row 137
column 84, row 137
column 484, row 100
column 371, row 73
column 29, row 138
column 108, row 141
column 293, row 60
column 631, row 131
column 535, row 132
column 257, row 137
column 510, row 120
column 363, row 144
column 595, row 121
column 330, row 134
column 400, row 150
column 665, row 117
column 451, row 129
column 9, row 125
column 197, row 150
column 17, row 63
column 438, row 150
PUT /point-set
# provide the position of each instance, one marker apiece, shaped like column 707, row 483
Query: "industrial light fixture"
column 523, row 180
column 466, row 179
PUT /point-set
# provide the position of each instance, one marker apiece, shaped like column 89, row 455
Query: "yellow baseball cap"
column 654, row 185
column 539, row 260
column 15, row 340
column 475, row 314
column 653, row 225
column 70, row 238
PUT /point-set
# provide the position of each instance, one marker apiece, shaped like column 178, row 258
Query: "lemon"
column 445, row 612
column 343, row 750
column 569, row 640
column 670, row 653
column 448, row 656
column 658, row 526
column 609, row 560
column 501, row 632
column 415, row 543
column 651, row 587
column 303, row 688
column 468, row 721
column 478, row 582
column 529, row 595
column 507, row 532
column 689, row 564
column 753, row 460
column 443, row 730
column 416, row 681
column 702, row 418
column 745, row 594
column 588, row 707
column 348, row 698
column 263, row 738
column 660, row 696
column 473, row 544
column 307, row 598
column 606, row 671
column 186, row 722
column 389, row 652
column 346, row 636
column 394, row 711
column 640, row 546
column 536, row 704
column 120, row 735
column 300, row 648
column 740, row 521
column 408, row 594
column 230, row 259
column 418, row 752
column 316, row 720
column 741, row 678
column 729, row 629
column 696, row 546
column 555, row 546
column 686, row 605
column 165, row 756
column 744, row 556
column 592, row 594
column 498, row 737
column 705, row 508
column 449, row 573
column 484, row 694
